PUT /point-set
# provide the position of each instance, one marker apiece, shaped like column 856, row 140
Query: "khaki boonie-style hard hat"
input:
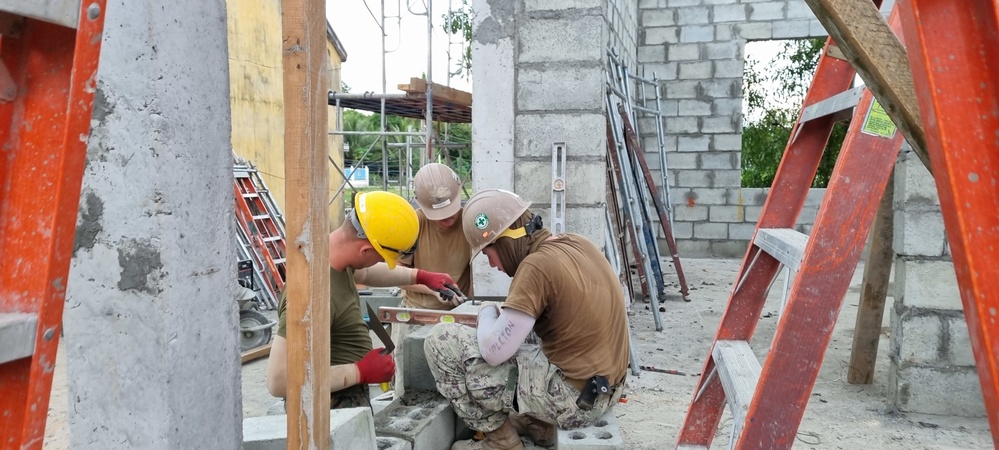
column 488, row 214
column 438, row 191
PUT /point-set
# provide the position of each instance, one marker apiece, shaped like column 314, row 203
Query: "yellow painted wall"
column 256, row 83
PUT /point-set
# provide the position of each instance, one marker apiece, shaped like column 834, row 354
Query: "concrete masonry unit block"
column 349, row 428
column 393, row 443
column 604, row 434
column 424, row 419
column 919, row 233
column 416, row 371
column 917, row 339
column 929, row 284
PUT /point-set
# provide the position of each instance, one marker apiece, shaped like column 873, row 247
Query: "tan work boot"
column 541, row 432
column 504, row 438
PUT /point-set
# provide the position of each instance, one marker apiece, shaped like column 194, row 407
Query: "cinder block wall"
column 540, row 71
column 932, row 366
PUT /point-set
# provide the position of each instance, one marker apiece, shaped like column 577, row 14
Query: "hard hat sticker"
column 441, row 204
column 481, row 221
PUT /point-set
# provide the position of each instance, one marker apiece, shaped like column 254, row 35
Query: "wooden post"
column 306, row 82
column 870, row 312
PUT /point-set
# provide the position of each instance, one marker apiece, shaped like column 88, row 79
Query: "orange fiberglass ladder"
column 958, row 101
column 48, row 67
column 260, row 234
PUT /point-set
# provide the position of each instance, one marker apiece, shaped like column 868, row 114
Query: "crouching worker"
column 382, row 227
column 565, row 290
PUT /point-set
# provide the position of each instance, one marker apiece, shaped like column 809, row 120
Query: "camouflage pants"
column 483, row 395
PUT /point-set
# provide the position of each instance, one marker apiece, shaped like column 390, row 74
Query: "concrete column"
column 932, row 367
column 150, row 321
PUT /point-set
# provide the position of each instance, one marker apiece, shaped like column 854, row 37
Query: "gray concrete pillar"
column 150, row 320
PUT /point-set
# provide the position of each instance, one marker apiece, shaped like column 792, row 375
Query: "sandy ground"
column 839, row 415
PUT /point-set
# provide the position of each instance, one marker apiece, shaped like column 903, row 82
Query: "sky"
column 405, row 43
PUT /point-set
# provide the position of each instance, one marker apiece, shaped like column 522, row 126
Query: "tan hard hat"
column 438, row 191
column 488, row 214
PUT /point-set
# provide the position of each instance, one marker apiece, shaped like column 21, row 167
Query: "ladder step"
column 280, row 261
column 785, row 244
column 272, row 238
column 843, row 101
column 261, row 217
column 17, row 332
column 251, row 195
column 739, row 372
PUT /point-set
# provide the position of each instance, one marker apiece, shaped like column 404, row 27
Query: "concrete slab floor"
column 840, row 415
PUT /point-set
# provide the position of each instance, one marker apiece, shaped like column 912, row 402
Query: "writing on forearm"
column 503, row 337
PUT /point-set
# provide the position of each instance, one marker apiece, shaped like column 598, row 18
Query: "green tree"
column 773, row 103
column 459, row 22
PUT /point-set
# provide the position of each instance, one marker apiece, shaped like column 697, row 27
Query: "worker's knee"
column 448, row 342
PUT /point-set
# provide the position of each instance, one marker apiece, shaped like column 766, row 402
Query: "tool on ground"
column 656, row 369
column 376, row 325
column 595, row 387
column 768, row 401
column 425, row 316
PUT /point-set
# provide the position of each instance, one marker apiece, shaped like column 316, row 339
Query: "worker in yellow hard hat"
column 565, row 290
column 381, row 228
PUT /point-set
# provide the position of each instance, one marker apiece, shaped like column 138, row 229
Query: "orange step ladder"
column 261, row 230
column 768, row 400
column 48, row 66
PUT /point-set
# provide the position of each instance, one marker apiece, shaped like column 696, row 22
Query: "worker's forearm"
column 420, row 289
column 500, row 334
column 342, row 376
column 379, row 275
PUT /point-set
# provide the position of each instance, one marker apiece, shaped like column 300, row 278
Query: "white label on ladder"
column 558, row 188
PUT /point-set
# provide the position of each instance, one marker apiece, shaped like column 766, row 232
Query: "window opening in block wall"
column 776, row 77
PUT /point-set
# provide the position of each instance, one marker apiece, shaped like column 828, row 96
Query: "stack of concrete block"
column 932, row 366
column 350, row 428
column 423, row 420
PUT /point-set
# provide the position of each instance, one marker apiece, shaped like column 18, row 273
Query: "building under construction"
column 152, row 152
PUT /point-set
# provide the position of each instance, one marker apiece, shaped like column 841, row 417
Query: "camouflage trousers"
column 483, row 395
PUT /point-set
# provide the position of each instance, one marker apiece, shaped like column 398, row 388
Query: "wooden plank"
column 739, row 372
column 877, row 54
column 870, row 311
column 419, row 86
column 255, row 354
column 306, row 82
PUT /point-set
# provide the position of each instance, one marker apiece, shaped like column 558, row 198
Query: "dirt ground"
column 839, row 415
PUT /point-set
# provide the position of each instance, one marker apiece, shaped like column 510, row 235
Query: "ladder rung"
column 17, row 332
column 840, row 102
column 785, row 244
column 279, row 261
column 739, row 372
column 251, row 195
column 262, row 216
column 240, row 174
column 272, row 238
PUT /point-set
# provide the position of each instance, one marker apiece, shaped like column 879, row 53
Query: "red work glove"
column 440, row 282
column 375, row 367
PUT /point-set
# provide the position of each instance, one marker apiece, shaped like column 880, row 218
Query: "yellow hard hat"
column 437, row 191
column 388, row 222
column 488, row 215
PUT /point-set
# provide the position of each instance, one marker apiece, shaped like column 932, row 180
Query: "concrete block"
column 573, row 39
column 932, row 390
column 754, row 31
column 915, row 189
column 424, row 419
column 416, row 372
column 727, row 179
column 723, row 50
column 710, row 231
column 726, row 142
column 754, row 196
column 766, row 11
column 676, row 160
column 534, row 181
column 393, row 443
column 584, row 134
column 727, row 107
column 741, row 231
column 725, row 213
column 651, row 53
column 691, row 16
column 706, row 196
column 729, row 68
column 799, row 10
column 679, row 3
column 729, row 248
column 658, row 18
column 558, row 5
column 919, row 233
column 694, row 249
column 587, row 221
column 718, row 125
column 694, row 178
column 753, row 213
column 665, row 71
column 815, row 197
column 695, row 70
column 792, row 29
column 730, row 88
column 807, row 215
column 695, row 108
column 681, row 90
column 653, row 4
column 697, row 33
column 724, row 32
column 681, row 125
column 690, row 213
column 604, row 434
column 926, row 284
column 958, row 342
column 380, row 402
column 916, row 339
column 560, row 88
column 730, row 13
column 682, row 230
column 661, row 35
column 352, row 427
column 692, row 144
column 683, row 52
column 719, row 160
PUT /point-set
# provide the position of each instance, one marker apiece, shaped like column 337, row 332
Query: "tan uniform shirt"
column 575, row 297
column 444, row 251
column 349, row 338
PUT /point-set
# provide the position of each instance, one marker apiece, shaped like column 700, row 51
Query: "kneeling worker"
column 565, row 290
column 381, row 227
